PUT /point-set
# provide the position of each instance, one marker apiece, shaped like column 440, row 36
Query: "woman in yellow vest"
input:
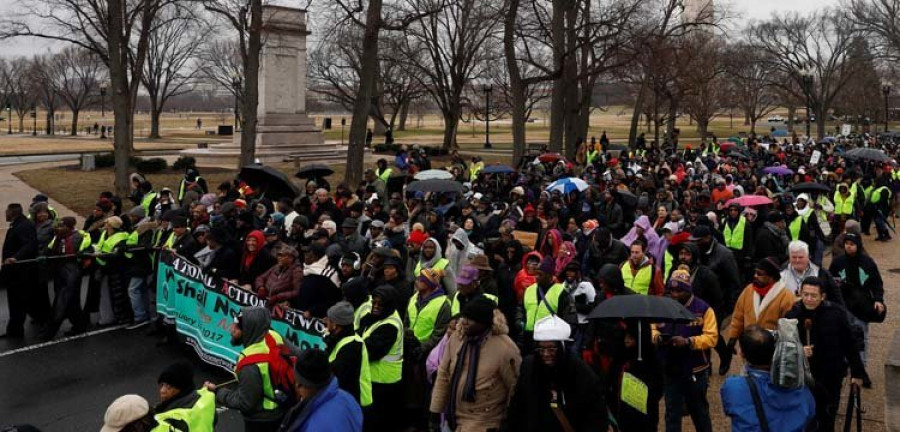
column 432, row 257
column 181, row 406
column 544, row 298
column 111, row 258
column 428, row 311
column 382, row 331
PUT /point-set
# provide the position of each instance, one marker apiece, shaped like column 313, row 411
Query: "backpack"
column 281, row 370
column 790, row 368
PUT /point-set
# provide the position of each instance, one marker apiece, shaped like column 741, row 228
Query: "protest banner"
column 203, row 309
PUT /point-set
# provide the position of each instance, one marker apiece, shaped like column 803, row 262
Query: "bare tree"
column 42, row 87
column 880, row 20
column 708, row 93
column 118, row 32
column 752, row 81
column 76, row 75
column 220, row 64
column 817, row 45
column 168, row 71
column 19, row 89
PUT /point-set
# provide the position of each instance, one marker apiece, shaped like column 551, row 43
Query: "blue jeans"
column 690, row 391
column 137, row 293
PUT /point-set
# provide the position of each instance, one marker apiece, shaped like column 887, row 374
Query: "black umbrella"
column 314, row 171
column 644, row 307
column 435, row 186
column 865, row 153
column 739, row 155
column 810, row 187
column 626, row 197
column 273, row 183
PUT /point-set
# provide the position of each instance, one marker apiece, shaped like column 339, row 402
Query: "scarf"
column 762, row 291
column 471, row 347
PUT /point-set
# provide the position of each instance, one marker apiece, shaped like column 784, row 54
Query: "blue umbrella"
column 566, row 185
column 780, row 133
column 778, row 170
column 829, row 139
column 498, row 169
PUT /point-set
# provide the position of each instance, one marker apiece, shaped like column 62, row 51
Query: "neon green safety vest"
column 85, row 242
column 843, row 206
column 384, row 175
column 172, row 239
column 796, row 224
column 475, row 169
column 896, row 175
column 439, row 265
column 199, row 418
column 867, row 192
column 734, row 238
column 388, row 369
column 108, row 244
column 181, row 188
column 590, row 156
column 360, row 312
column 146, row 200
column 455, row 307
column 669, row 261
column 269, row 401
column 422, row 321
column 536, row 309
column 639, row 283
column 877, row 194
column 365, row 375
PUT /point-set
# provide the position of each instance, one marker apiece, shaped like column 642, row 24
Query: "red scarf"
column 762, row 291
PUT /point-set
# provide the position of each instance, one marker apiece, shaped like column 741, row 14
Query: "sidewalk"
column 13, row 190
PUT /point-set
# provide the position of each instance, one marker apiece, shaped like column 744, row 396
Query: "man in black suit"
column 21, row 244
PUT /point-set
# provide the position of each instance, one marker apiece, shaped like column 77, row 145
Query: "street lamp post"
column 343, row 123
column 34, row 119
column 807, row 89
column 487, row 116
column 886, row 91
column 102, row 100
column 9, row 118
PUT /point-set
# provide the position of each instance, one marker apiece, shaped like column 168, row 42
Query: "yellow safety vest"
column 182, row 187
column 360, row 312
column 146, row 200
column 439, row 265
column 877, row 194
column 422, row 321
column 639, row 283
column 383, row 175
column 269, row 402
column 455, row 307
column 591, row 155
column 536, row 309
column 796, row 224
column 85, row 242
column 867, row 192
column 200, row 417
column 108, row 244
column 365, row 375
column 734, row 238
column 669, row 261
column 388, row 369
column 843, row 206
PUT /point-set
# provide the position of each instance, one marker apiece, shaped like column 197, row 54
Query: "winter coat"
column 319, row 290
column 577, row 386
column 771, row 243
column 615, row 253
column 705, row 283
column 793, row 281
column 496, row 377
column 787, row 410
column 750, row 309
column 721, row 262
column 523, row 279
column 280, row 284
column 20, row 243
column 834, row 345
column 449, row 278
column 225, row 263
column 331, row 409
column 861, row 282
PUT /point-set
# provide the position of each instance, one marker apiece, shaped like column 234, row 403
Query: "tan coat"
column 498, row 371
column 765, row 312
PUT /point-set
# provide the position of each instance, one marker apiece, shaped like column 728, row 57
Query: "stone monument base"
column 279, row 138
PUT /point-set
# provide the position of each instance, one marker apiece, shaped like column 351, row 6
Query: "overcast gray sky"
column 748, row 9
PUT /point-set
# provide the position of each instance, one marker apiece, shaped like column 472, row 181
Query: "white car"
column 776, row 119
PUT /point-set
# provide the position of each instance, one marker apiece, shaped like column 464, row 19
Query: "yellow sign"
column 634, row 392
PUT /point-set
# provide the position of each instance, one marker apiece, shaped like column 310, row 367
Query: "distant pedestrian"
column 21, row 244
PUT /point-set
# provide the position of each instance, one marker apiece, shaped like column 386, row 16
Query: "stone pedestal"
column 284, row 131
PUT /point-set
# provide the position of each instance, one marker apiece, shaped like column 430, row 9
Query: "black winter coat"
column 21, row 243
column 834, row 346
column 861, row 283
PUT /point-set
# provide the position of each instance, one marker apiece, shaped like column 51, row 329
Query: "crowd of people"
column 471, row 310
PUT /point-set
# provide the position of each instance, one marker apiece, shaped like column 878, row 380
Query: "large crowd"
column 467, row 304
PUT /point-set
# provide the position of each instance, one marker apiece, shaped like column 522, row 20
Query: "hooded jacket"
column 379, row 343
column 459, row 256
column 523, row 279
column 449, row 278
column 721, row 262
column 655, row 247
column 247, row 397
column 254, row 264
column 331, row 409
column 703, row 280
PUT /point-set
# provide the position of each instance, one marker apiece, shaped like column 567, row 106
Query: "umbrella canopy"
column 435, row 185
column 810, row 187
column 498, row 169
column 778, row 170
column 433, row 174
column 736, row 140
column 728, row 145
column 551, row 157
column 750, row 200
column 626, row 197
column 566, row 185
column 271, row 182
column 642, row 307
column 739, row 155
column 863, row 153
column 314, row 171
column 780, row 133
column 829, row 139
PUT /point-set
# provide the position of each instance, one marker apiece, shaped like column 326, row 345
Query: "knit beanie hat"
column 313, row 369
column 341, row 313
column 115, row 222
column 179, row 375
column 480, row 310
column 770, row 266
column 681, row 279
column 430, row 277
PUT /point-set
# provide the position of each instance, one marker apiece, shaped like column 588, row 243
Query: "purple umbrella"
column 777, row 170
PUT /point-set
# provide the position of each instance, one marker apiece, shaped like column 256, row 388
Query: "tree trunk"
column 22, row 123
column 154, row 118
column 747, row 120
column 74, row 122
column 702, row 127
column 820, row 122
column 792, row 110
column 753, row 127
column 670, row 122
column 516, row 86
column 122, row 99
column 558, row 98
column 363, row 101
column 451, row 121
column 251, row 86
column 404, row 114
column 570, row 74
column 636, row 114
